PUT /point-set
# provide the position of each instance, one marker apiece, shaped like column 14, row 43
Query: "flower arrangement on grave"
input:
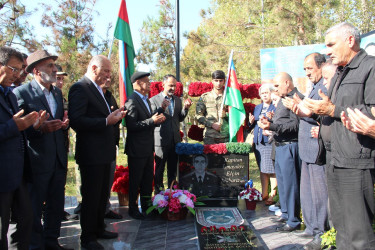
column 121, row 180
column 250, row 193
column 174, row 201
column 221, row 148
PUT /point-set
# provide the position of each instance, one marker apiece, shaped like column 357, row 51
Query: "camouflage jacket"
column 207, row 112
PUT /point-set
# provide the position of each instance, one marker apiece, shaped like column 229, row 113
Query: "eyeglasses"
column 14, row 70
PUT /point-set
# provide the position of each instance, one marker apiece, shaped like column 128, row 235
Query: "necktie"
column 200, row 179
column 170, row 106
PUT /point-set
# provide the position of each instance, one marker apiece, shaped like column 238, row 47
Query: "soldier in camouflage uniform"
column 208, row 112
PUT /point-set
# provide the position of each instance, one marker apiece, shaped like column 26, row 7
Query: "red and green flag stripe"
column 126, row 53
column 236, row 109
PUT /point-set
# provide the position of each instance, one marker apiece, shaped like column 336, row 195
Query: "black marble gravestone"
column 217, row 176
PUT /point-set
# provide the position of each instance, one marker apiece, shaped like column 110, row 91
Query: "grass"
column 71, row 190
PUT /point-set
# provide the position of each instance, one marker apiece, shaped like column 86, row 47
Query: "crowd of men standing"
column 34, row 141
column 335, row 179
column 330, row 176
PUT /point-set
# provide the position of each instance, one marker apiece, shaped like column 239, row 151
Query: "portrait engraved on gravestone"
column 213, row 175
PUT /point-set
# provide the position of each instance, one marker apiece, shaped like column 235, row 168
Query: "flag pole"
column 226, row 83
column 110, row 49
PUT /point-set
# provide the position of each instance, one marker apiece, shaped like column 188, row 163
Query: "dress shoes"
column 55, row 246
column 285, row 229
column 278, row 220
column 92, row 245
column 108, row 235
column 135, row 214
column 303, row 234
column 77, row 210
column 113, row 215
column 66, row 216
column 314, row 244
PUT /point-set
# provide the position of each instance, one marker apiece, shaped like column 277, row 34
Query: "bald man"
column 287, row 163
column 92, row 119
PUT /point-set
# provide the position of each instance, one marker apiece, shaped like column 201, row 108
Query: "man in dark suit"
column 14, row 196
column 200, row 181
column 313, row 188
column 110, row 214
column 93, row 121
column 46, row 149
column 140, row 142
column 167, row 135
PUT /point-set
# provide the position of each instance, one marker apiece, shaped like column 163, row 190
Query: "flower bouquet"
column 173, row 204
column 121, row 184
column 250, row 195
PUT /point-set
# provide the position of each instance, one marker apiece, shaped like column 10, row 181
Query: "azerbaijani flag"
column 126, row 53
column 236, row 109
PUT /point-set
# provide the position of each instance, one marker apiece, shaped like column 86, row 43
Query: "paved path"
column 161, row 234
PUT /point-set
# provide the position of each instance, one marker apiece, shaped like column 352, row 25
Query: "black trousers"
column 141, row 174
column 170, row 157
column 47, row 193
column 351, row 201
column 94, row 190
column 18, row 203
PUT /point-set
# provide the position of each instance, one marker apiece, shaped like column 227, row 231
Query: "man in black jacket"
column 287, row 163
column 350, row 171
column 139, row 146
column 93, row 121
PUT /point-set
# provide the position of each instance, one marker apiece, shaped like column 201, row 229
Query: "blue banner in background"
column 290, row 59
column 285, row 59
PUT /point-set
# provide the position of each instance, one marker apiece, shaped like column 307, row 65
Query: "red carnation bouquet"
column 121, row 180
column 219, row 148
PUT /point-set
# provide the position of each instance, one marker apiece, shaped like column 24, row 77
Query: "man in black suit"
column 46, row 149
column 110, row 214
column 167, row 135
column 93, row 121
column 140, row 142
column 14, row 196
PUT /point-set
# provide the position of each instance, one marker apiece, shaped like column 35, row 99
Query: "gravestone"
column 222, row 178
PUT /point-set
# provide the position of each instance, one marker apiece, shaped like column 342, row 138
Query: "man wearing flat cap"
column 48, row 158
column 140, row 143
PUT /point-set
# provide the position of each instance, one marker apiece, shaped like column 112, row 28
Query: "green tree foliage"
column 72, row 34
column 250, row 25
column 158, row 41
column 14, row 27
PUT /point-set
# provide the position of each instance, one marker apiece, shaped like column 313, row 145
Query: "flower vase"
column 123, row 199
column 251, row 205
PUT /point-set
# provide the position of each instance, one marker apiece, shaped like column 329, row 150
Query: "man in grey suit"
column 167, row 135
column 47, row 151
column 313, row 188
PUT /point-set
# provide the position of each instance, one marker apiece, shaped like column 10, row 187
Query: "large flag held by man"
column 236, row 109
column 126, row 53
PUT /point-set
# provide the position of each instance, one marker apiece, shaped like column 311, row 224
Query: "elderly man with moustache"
column 350, row 172
column 140, row 122
column 92, row 119
column 47, row 153
column 287, row 163
column 167, row 135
